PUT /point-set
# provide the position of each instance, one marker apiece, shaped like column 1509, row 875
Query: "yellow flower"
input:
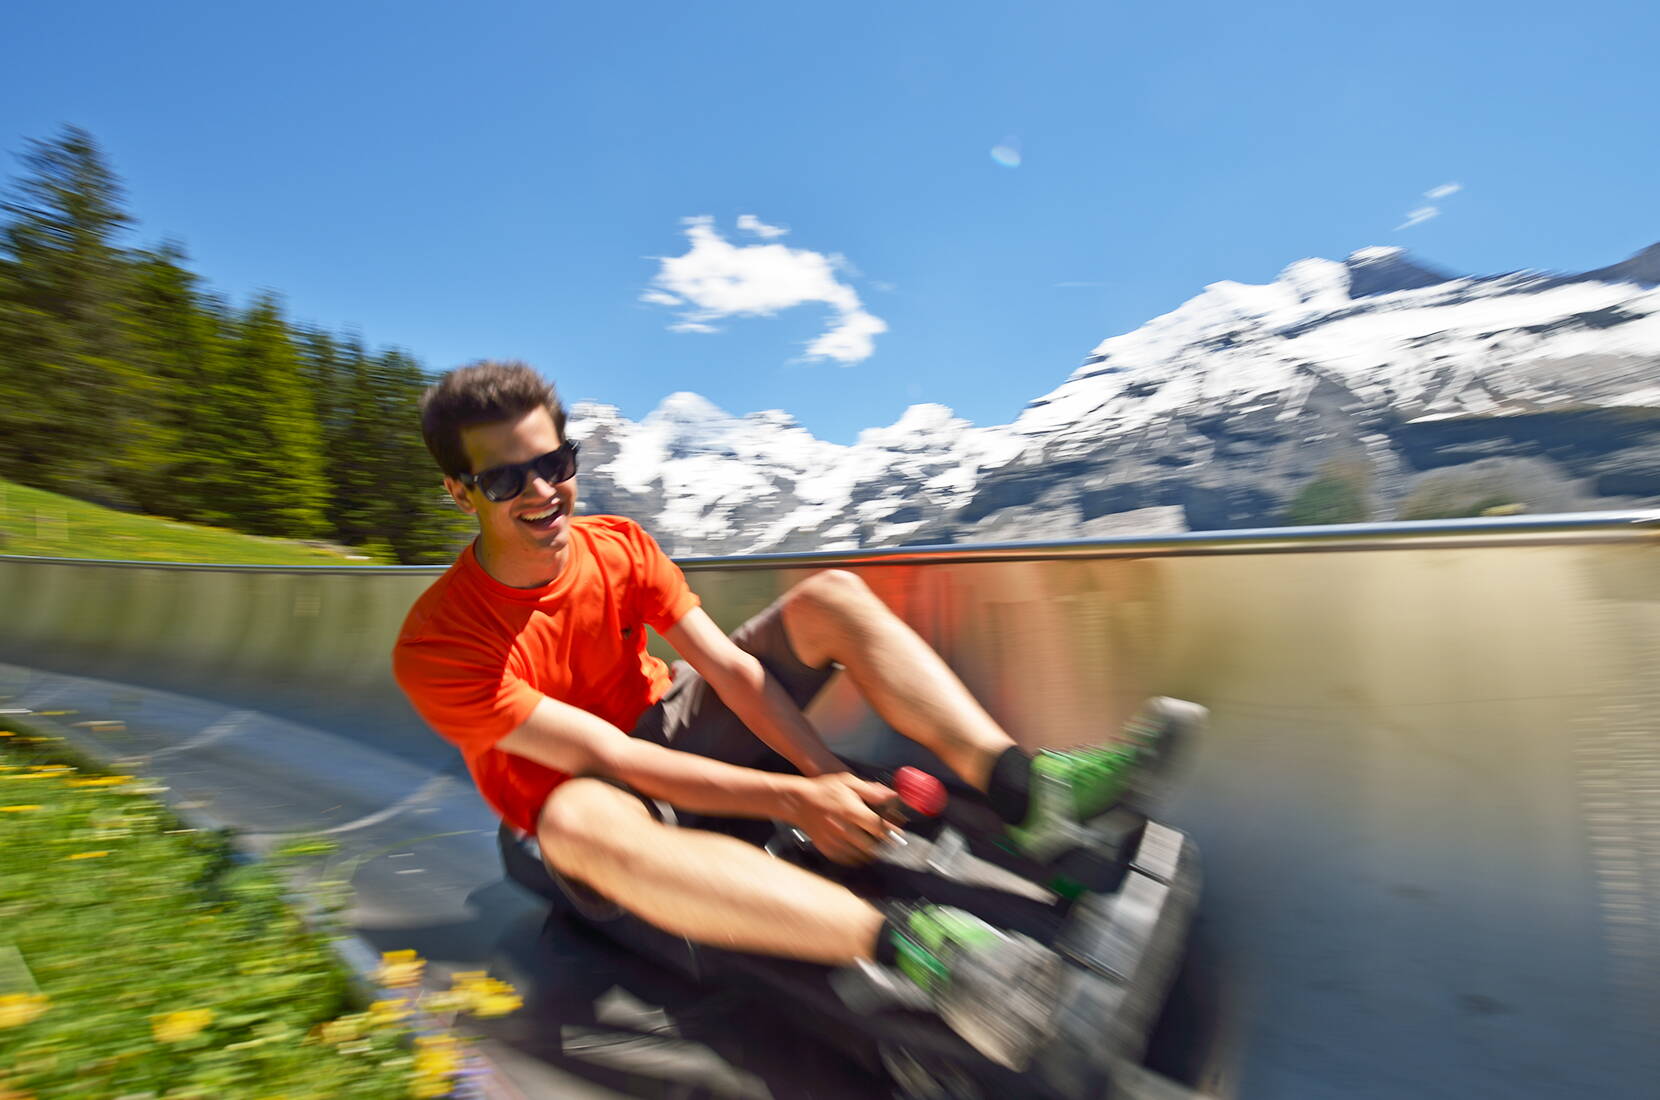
column 497, row 1004
column 175, row 1027
column 17, row 1009
column 101, row 781
column 436, row 1058
column 387, row 1013
column 8, row 733
column 400, row 969
column 87, row 855
column 486, row 996
column 17, row 809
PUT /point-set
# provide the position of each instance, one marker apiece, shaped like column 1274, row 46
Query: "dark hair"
column 485, row 392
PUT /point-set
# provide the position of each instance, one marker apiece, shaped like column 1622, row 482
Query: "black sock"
column 1010, row 789
column 896, row 926
column 887, row 940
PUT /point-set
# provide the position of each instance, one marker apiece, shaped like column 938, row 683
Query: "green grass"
column 36, row 523
column 139, row 958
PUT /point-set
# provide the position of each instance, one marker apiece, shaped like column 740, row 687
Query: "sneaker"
column 996, row 989
column 1071, row 787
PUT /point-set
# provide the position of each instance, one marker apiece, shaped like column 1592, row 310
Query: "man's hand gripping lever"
column 842, row 815
column 914, row 794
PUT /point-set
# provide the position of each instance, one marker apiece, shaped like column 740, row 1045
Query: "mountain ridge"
column 1217, row 413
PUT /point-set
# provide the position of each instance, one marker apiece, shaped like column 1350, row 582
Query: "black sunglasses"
column 500, row 483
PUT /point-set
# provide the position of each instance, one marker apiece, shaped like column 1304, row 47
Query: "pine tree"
column 75, row 406
column 422, row 524
column 121, row 380
column 174, row 333
column 276, row 485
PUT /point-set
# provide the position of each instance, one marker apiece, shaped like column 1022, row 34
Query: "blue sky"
column 505, row 179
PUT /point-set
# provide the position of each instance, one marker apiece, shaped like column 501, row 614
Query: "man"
column 529, row 654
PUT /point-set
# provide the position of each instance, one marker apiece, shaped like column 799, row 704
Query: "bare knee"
column 825, row 612
column 832, row 588
column 587, row 823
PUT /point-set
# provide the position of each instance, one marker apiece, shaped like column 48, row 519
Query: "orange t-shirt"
column 475, row 656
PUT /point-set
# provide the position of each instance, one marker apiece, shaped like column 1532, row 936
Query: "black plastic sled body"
column 1119, row 914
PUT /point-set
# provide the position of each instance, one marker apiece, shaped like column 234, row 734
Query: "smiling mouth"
column 543, row 519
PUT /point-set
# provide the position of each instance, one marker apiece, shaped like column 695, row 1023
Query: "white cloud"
column 1419, row 216
column 850, row 340
column 716, row 279
column 750, row 223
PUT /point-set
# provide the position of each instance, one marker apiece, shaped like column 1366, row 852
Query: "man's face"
column 537, row 521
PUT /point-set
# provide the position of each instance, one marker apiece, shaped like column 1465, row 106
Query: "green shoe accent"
column 933, row 934
column 1061, row 886
column 1069, row 788
column 1095, row 775
column 996, row 989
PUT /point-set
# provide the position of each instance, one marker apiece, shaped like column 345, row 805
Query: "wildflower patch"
column 138, row 957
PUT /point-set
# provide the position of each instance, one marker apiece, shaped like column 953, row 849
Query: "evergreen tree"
column 276, row 483
column 422, row 524
column 353, row 461
column 121, row 380
column 174, row 332
column 75, row 407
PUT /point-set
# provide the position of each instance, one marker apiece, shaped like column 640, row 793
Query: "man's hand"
column 841, row 814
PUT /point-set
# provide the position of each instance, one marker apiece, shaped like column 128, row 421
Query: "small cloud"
column 716, row 279
column 1418, row 217
column 1007, row 152
column 751, row 224
column 1444, row 190
column 851, row 340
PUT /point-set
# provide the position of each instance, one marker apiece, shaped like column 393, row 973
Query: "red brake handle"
column 920, row 792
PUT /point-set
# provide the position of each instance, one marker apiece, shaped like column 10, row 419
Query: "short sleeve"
column 468, row 698
column 663, row 595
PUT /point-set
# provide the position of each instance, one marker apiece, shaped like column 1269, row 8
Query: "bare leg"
column 833, row 616
column 710, row 888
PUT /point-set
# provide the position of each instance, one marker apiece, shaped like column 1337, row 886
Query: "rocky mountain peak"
column 1385, row 270
column 1426, row 390
column 1643, row 269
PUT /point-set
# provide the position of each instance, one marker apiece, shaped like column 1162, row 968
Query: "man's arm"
column 759, row 700
column 833, row 809
column 572, row 740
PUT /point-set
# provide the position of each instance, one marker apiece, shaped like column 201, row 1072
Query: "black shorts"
column 691, row 717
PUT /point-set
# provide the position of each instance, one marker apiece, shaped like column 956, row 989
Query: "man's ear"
column 458, row 493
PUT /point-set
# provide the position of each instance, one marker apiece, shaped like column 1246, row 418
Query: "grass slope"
column 138, row 959
column 36, row 523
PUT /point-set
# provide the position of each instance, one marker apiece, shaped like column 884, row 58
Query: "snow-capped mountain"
column 1419, row 389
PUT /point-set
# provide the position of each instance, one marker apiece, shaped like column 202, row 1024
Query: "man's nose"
column 538, row 485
